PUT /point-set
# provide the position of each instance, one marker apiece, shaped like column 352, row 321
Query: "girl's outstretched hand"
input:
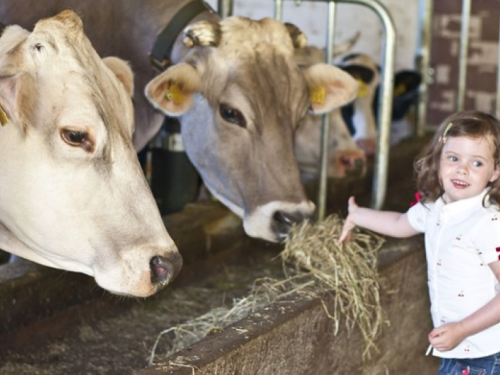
column 349, row 223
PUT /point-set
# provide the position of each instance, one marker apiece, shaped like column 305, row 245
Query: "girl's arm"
column 450, row 335
column 394, row 224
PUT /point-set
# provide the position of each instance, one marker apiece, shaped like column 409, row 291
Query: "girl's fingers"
column 345, row 235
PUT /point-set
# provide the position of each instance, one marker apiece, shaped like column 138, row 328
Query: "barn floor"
column 61, row 323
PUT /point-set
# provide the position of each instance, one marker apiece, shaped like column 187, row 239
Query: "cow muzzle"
column 274, row 221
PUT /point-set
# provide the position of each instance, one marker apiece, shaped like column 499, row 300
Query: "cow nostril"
column 164, row 270
column 345, row 161
column 283, row 222
column 283, row 218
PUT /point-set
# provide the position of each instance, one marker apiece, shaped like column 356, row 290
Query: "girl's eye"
column 477, row 164
column 452, row 158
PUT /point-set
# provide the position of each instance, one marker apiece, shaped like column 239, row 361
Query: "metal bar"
column 379, row 186
column 497, row 112
column 225, row 8
column 462, row 59
column 423, row 62
column 325, row 119
column 278, row 9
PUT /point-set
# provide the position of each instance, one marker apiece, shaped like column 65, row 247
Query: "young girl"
column 457, row 177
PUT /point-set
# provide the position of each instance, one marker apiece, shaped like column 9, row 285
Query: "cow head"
column 344, row 155
column 72, row 193
column 242, row 97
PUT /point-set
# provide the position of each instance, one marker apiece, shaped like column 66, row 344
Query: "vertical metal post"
column 497, row 112
column 325, row 119
column 462, row 59
column 379, row 186
column 278, row 9
column 225, row 8
column 423, row 62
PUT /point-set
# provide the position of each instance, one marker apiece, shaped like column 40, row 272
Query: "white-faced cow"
column 72, row 193
column 235, row 85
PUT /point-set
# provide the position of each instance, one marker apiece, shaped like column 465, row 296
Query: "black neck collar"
column 160, row 54
column 2, row 28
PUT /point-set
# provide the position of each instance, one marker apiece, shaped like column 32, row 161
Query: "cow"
column 361, row 115
column 72, row 193
column 235, row 86
column 345, row 156
column 353, row 133
column 366, row 72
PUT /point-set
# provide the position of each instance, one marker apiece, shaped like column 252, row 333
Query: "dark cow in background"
column 72, row 193
column 361, row 115
column 239, row 93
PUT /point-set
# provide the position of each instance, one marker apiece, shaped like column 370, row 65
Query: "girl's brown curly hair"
column 473, row 124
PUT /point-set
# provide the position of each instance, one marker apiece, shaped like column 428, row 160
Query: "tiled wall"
column 482, row 57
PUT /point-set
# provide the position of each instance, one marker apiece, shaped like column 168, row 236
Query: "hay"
column 347, row 272
column 315, row 266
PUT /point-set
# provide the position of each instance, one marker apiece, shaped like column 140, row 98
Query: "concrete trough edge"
column 297, row 337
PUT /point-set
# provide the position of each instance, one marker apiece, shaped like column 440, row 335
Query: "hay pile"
column 315, row 265
column 348, row 272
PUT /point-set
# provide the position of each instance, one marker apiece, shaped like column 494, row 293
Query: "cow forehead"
column 82, row 74
column 257, row 57
column 269, row 84
column 242, row 34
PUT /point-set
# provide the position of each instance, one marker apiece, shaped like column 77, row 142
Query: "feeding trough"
column 57, row 322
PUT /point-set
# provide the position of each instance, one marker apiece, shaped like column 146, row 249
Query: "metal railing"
column 423, row 63
column 379, row 186
column 225, row 8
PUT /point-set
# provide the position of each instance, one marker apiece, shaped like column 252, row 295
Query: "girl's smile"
column 466, row 167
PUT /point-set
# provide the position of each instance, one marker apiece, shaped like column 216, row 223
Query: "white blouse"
column 461, row 239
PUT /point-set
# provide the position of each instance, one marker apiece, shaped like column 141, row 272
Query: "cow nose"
column 283, row 221
column 165, row 269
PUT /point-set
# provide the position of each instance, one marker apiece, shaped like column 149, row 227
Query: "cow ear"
column 406, row 81
column 122, row 71
column 329, row 87
column 172, row 92
column 16, row 100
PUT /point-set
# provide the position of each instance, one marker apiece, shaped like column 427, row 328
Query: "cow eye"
column 232, row 115
column 77, row 138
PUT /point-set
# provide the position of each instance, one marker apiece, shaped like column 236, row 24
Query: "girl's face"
column 466, row 166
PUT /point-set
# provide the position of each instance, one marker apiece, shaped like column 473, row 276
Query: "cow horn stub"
column 203, row 34
column 299, row 39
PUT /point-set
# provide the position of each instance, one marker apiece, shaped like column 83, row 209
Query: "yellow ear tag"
column 174, row 94
column 3, row 117
column 362, row 89
column 317, row 95
column 400, row 89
